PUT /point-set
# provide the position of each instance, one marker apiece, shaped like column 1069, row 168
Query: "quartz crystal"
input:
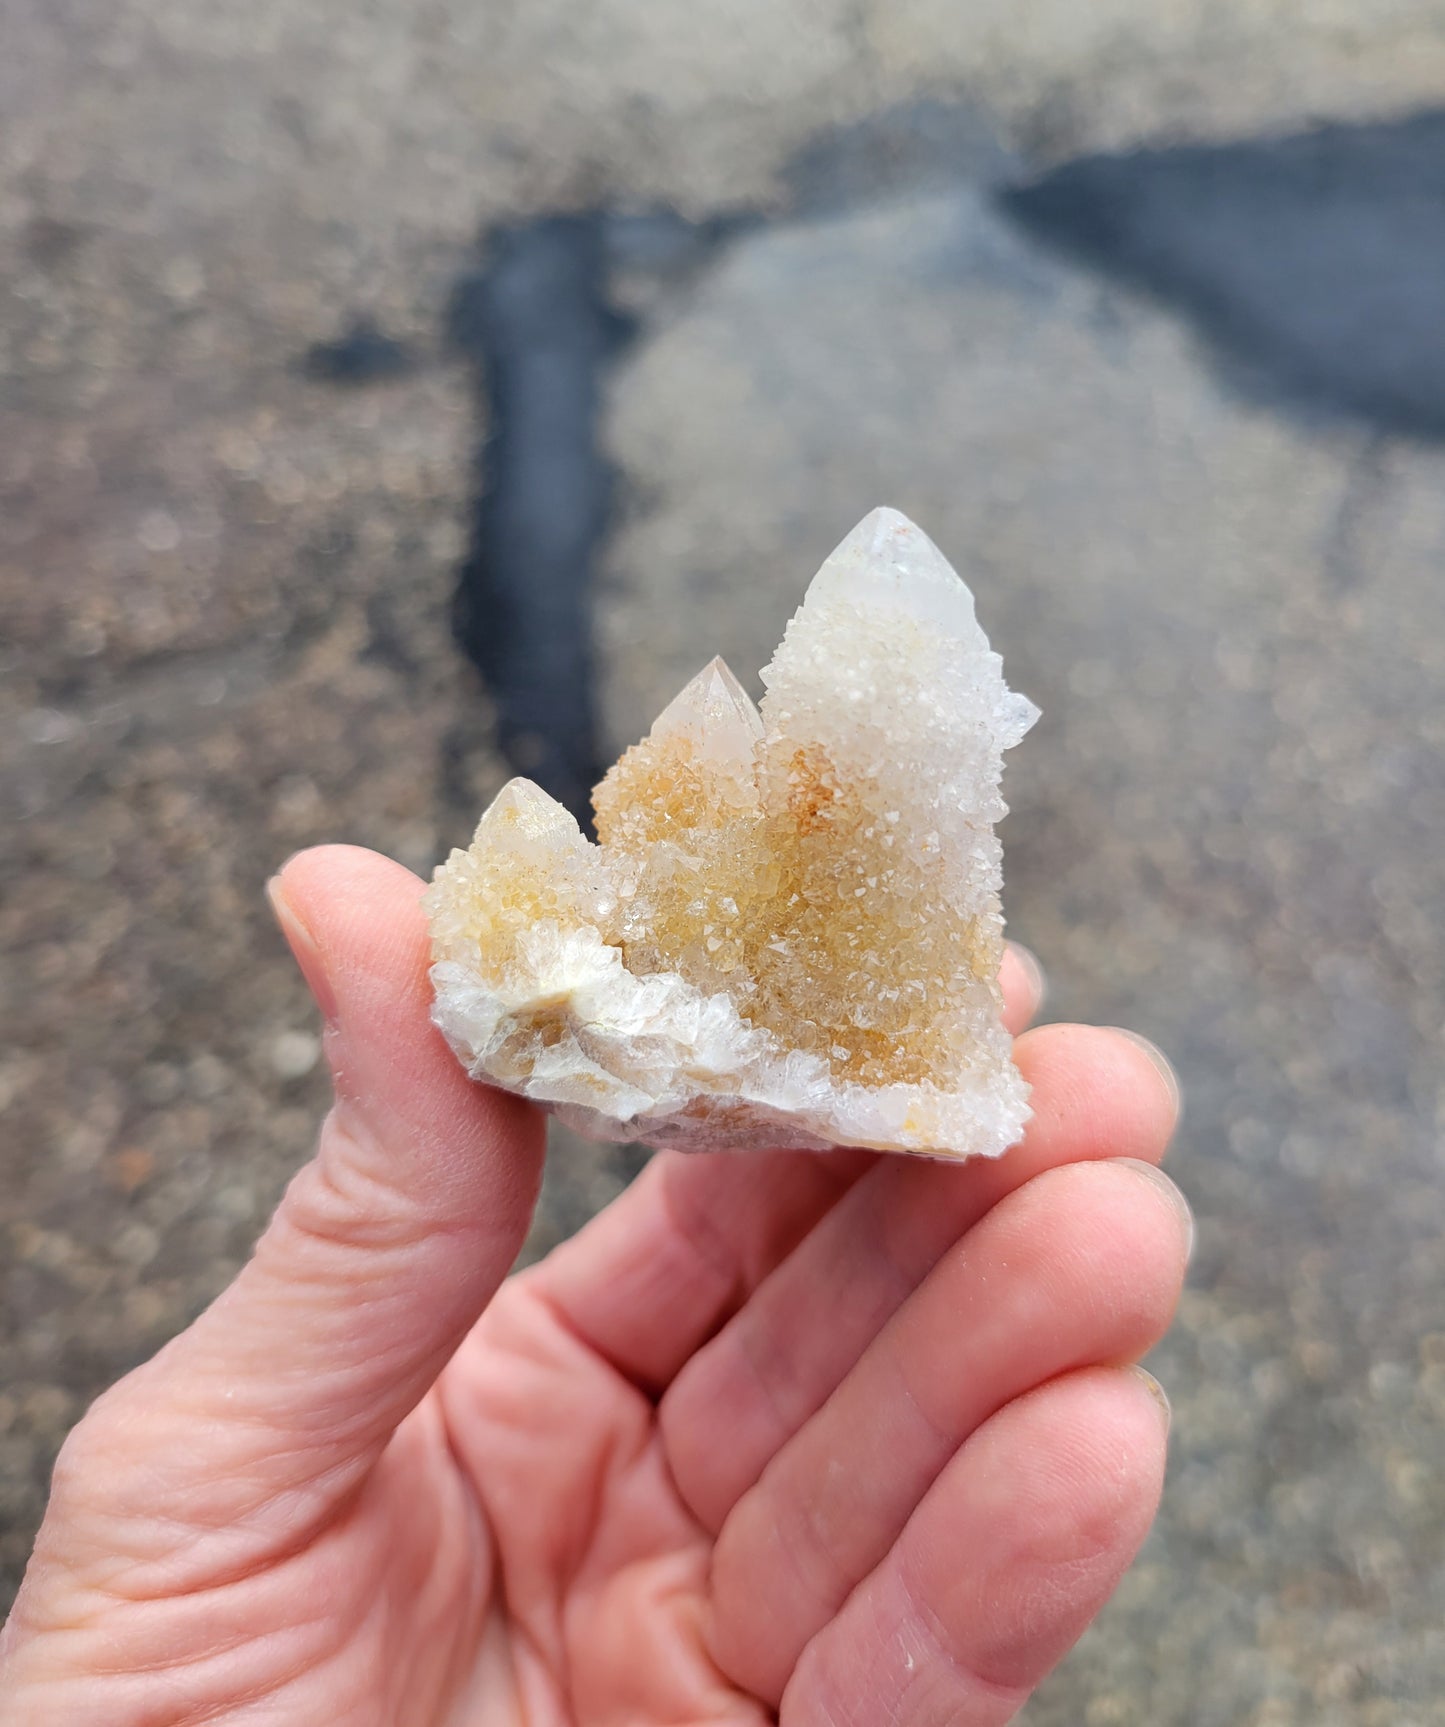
column 789, row 933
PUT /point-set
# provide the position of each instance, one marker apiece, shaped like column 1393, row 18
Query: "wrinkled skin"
column 824, row 1439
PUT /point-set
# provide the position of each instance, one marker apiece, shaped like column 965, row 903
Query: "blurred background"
column 394, row 396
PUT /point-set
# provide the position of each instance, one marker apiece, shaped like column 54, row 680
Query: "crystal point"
column 790, row 931
column 713, row 702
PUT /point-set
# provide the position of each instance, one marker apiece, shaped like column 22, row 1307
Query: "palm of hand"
column 837, row 1438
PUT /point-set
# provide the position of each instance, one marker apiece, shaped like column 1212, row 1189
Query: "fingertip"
column 306, row 950
column 1106, row 1430
column 1163, row 1409
column 324, row 881
column 354, row 920
column 1161, row 1062
column 1013, row 1551
column 1067, row 1481
column 1097, row 1093
column 1102, row 1435
column 1163, row 1188
column 1024, row 986
column 1102, row 1244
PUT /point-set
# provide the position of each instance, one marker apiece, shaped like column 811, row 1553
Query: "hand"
column 831, row 1439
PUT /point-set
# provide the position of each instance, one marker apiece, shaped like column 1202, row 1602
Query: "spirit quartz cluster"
column 789, row 933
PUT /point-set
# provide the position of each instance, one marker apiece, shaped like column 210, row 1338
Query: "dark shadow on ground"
column 537, row 322
column 534, row 323
column 362, row 354
column 1315, row 263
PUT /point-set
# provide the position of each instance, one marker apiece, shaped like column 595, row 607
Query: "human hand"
column 825, row 1439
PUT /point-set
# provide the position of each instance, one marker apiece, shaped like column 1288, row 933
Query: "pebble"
column 294, row 1053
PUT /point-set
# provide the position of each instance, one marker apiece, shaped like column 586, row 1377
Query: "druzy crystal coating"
column 789, row 933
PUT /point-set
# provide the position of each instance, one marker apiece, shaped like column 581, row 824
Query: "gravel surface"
column 236, row 464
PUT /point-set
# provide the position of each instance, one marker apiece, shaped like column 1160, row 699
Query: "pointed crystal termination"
column 714, row 710
column 790, row 933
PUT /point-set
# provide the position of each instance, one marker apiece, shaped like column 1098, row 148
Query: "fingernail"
column 305, row 948
column 1029, row 960
column 1167, row 1189
column 1161, row 1062
column 1157, row 1392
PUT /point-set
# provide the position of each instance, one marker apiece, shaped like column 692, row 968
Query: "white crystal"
column 790, row 932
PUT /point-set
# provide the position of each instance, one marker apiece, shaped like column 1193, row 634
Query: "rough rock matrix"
column 790, row 931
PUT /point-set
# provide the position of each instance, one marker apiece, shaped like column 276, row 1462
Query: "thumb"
column 386, row 1247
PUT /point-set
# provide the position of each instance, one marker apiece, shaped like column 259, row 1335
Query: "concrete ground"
column 1170, row 413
